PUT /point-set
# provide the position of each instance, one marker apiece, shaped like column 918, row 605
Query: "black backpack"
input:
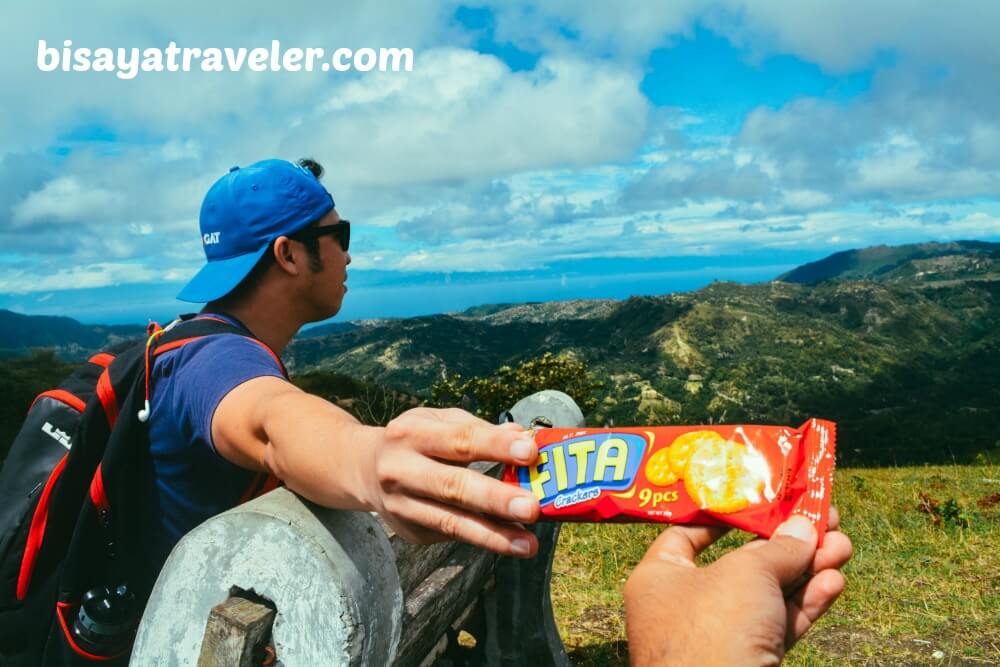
column 72, row 583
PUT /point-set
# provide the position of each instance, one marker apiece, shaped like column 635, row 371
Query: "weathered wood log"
column 415, row 562
column 433, row 606
column 234, row 629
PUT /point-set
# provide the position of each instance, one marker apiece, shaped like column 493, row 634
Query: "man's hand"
column 422, row 488
column 747, row 608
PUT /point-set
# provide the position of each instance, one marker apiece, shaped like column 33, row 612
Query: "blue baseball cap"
column 243, row 212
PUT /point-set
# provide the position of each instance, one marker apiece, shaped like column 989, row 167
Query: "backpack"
column 72, row 583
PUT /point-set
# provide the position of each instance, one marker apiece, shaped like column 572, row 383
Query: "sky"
column 536, row 151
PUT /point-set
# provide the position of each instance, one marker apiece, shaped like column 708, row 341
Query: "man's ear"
column 285, row 255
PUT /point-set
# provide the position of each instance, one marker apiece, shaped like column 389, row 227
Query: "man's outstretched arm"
column 405, row 471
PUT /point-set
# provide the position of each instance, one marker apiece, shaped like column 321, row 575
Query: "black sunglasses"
column 340, row 231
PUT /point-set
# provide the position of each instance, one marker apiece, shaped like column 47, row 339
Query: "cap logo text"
column 211, row 238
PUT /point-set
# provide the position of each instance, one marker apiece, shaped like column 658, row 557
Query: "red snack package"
column 748, row 477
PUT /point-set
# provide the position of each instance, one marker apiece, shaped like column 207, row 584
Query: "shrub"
column 487, row 397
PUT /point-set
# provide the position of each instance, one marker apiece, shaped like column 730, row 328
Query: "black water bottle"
column 106, row 619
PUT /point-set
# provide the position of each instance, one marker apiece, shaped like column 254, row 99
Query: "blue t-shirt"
column 191, row 481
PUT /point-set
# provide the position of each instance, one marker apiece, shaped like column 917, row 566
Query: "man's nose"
column 348, row 258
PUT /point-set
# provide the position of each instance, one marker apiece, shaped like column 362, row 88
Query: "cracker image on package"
column 745, row 476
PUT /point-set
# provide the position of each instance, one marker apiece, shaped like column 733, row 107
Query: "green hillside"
column 71, row 339
column 908, row 365
column 901, row 346
column 924, row 261
column 21, row 379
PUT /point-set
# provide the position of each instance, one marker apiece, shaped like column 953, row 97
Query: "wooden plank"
column 416, row 562
column 234, row 628
column 462, row 619
column 436, row 652
column 433, row 606
column 458, row 624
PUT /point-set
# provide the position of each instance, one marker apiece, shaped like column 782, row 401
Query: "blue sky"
column 546, row 150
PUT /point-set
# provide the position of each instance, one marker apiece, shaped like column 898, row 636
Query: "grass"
column 923, row 586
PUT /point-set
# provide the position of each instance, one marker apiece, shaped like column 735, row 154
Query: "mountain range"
column 900, row 345
column 71, row 339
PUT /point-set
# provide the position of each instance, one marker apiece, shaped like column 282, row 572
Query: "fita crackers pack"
column 748, row 477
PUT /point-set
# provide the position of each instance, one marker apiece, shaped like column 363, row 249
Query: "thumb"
column 789, row 553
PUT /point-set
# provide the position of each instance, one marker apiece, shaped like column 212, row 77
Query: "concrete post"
column 330, row 574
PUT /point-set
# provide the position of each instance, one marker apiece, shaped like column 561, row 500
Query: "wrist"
column 673, row 624
column 371, row 439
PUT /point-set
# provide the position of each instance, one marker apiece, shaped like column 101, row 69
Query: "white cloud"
column 846, row 35
column 702, row 229
column 465, row 115
column 984, row 144
column 894, row 167
column 65, row 199
column 839, row 36
column 77, row 277
column 169, row 104
column 180, row 149
column 904, row 140
column 805, row 199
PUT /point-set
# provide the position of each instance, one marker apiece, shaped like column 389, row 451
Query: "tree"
column 487, row 397
column 371, row 402
column 21, row 379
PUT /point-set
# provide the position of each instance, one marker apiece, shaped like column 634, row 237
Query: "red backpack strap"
column 63, row 396
column 261, row 484
column 102, row 359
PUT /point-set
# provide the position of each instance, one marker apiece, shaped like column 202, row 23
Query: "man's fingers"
column 811, row 602
column 512, row 426
column 470, row 490
column 834, row 554
column 833, row 519
column 450, row 523
column 682, row 544
column 455, row 415
column 465, row 439
column 788, row 554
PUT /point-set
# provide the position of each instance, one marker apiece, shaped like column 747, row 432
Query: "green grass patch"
column 923, row 586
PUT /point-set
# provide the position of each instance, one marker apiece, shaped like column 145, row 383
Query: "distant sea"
column 377, row 294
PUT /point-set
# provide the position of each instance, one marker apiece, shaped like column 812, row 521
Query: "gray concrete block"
column 331, row 575
column 555, row 406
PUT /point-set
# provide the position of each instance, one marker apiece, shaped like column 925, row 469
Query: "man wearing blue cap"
column 221, row 409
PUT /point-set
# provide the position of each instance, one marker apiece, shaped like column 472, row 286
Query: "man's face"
column 330, row 281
